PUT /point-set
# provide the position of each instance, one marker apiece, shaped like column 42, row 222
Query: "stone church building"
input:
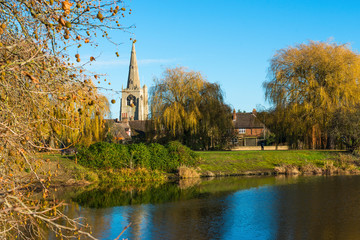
column 133, row 123
column 134, row 99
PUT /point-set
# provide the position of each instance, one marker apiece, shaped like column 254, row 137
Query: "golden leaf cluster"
column 45, row 104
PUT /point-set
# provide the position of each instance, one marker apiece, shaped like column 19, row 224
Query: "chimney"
column 234, row 115
column 254, row 111
column 124, row 117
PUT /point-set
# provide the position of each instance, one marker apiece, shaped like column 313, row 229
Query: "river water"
column 316, row 207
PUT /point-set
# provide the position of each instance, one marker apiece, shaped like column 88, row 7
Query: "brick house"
column 249, row 131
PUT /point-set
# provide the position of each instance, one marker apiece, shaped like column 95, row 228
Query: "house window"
column 242, row 131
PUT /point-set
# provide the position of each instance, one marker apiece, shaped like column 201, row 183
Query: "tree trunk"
column 313, row 139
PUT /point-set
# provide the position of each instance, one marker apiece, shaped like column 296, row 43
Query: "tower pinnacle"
column 133, row 79
column 134, row 99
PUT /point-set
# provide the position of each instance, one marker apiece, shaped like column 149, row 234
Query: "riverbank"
column 234, row 163
column 66, row 172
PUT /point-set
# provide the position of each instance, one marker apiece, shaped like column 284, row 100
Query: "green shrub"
column 181, row 155
column 104, row 155
column 155, row 156
column 159, row 157
column 122, row 158
column 140, row 155
column 86, row 157
column 91, row 176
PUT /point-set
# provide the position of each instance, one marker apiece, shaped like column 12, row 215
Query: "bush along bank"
column 135, row 162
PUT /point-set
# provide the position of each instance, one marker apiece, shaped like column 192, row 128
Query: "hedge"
column 154, row 156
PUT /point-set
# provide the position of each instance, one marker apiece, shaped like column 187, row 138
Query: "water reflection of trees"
column 193, row 219
column 110, row 197
column 189, row 210
column 325, row 209
column 145, row 193
column 208, row 218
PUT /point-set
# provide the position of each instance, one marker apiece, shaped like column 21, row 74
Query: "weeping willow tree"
column 284, row 127
column 310, row 82
column 174, row 101
column 46, row 102
column 47, row 110
column 345, row 128
column 184, row 106
column 79, row 116
column 216, row 126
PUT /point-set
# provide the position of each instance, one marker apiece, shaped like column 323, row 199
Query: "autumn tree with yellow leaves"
column 307, row 84
column 46, row 102
column 184, row 106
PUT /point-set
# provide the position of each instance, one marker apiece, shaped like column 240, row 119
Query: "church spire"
column 133, row 79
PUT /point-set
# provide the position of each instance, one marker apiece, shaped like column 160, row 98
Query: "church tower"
column 134, row 99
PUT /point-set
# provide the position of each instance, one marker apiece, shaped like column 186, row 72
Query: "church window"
column 131, row 100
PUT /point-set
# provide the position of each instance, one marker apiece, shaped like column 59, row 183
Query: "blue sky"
column 230, row 41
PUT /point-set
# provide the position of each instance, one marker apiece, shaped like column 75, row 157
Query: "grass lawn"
column 216, row 162
column 65, row 168
column 235, row 162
